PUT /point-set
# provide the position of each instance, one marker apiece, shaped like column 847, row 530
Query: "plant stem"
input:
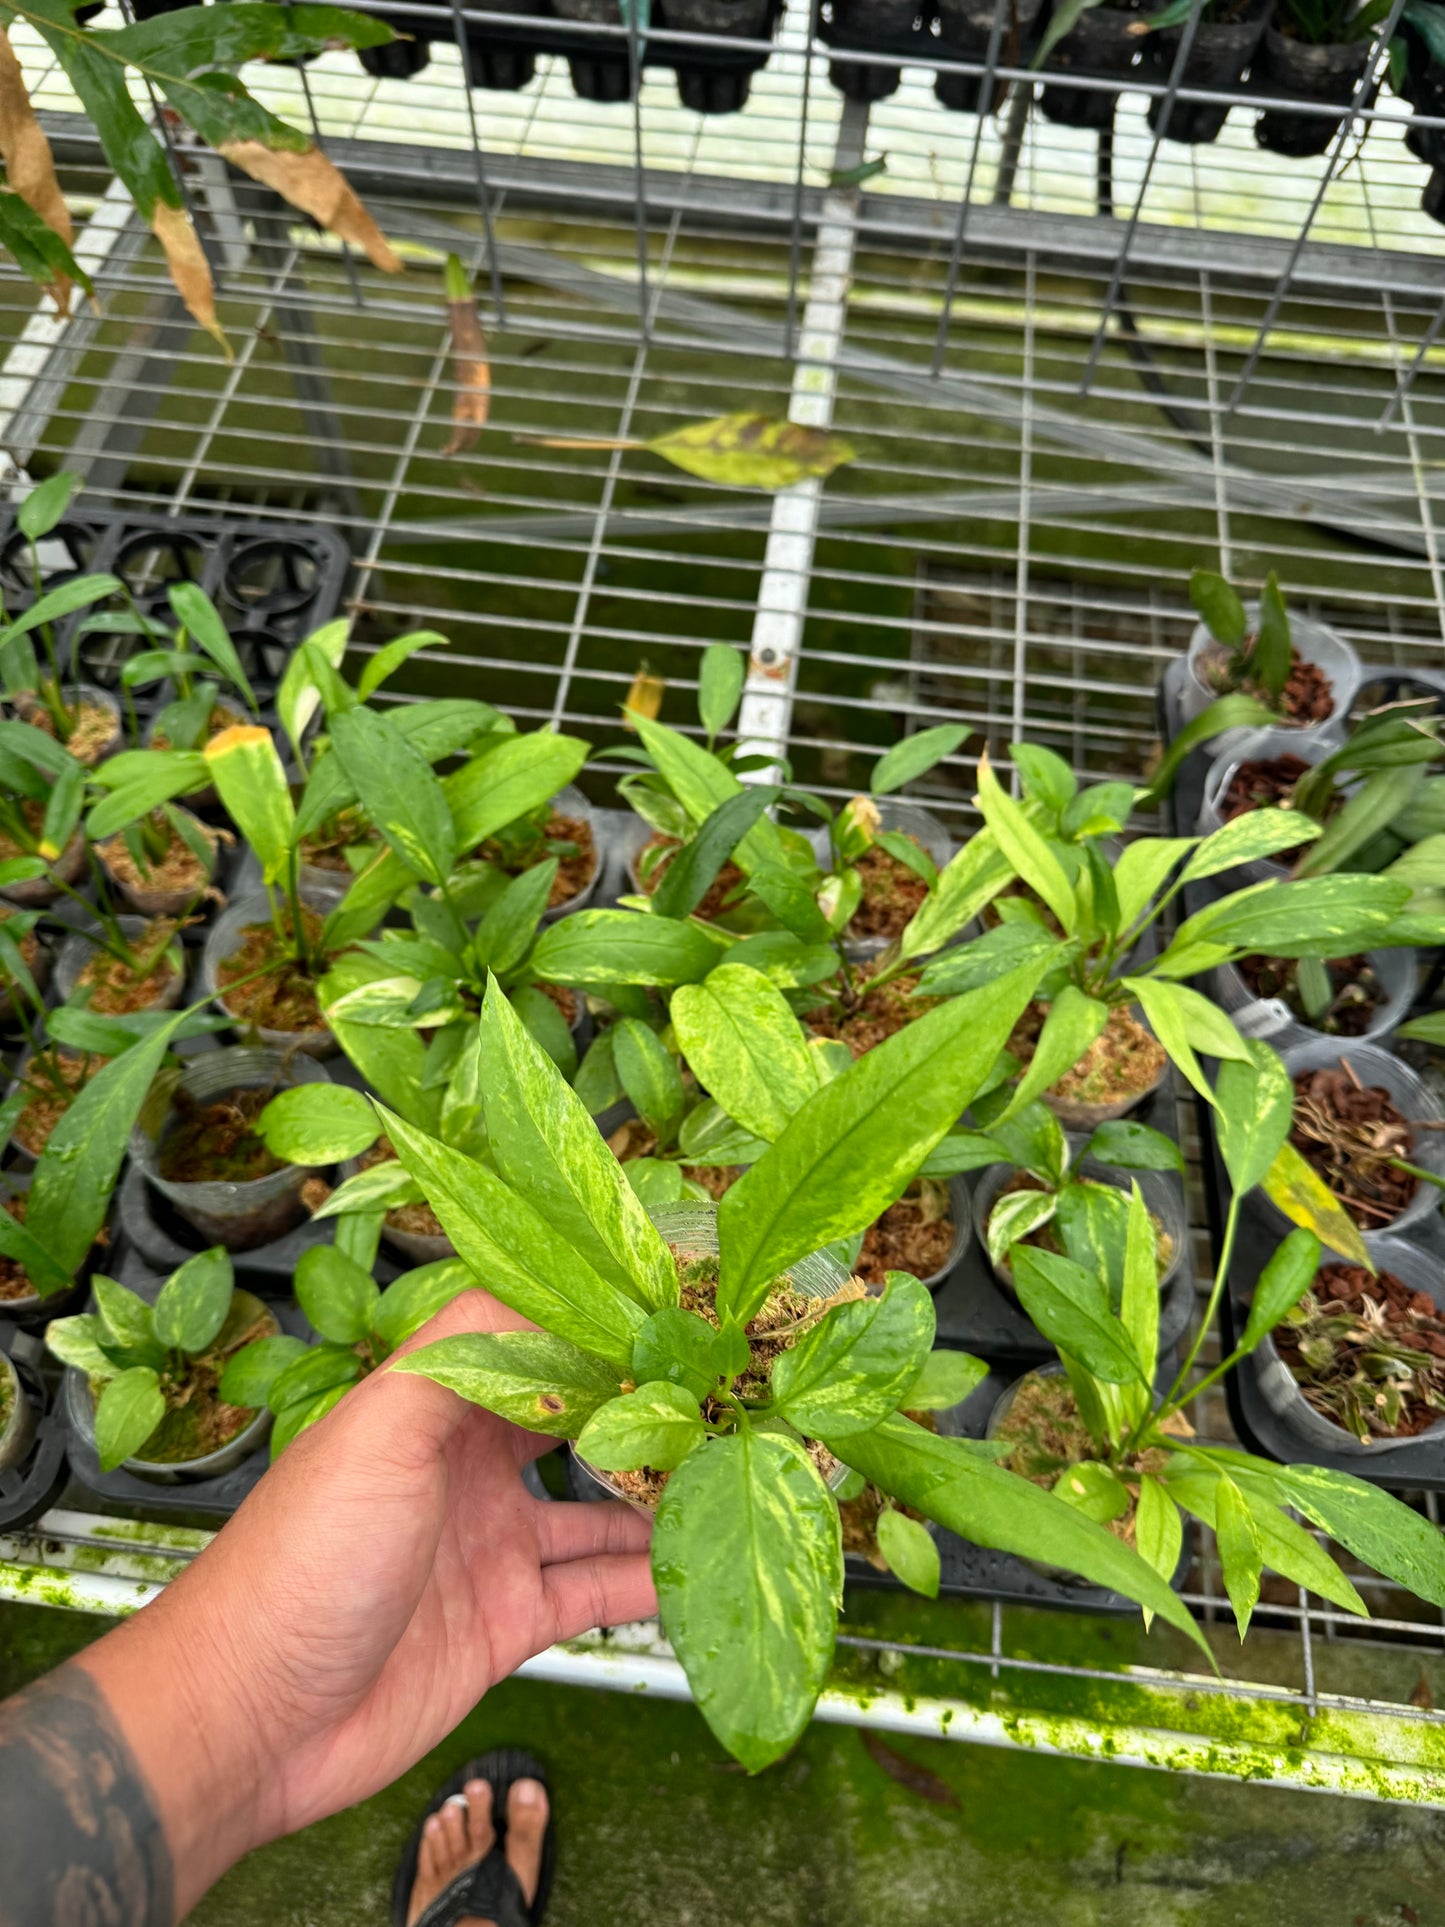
column 1172, row 1400
column 54, row 696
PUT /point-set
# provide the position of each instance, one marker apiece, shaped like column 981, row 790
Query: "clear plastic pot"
column 239, row 1214
column 960, row 1211
column 224, row 939
column 1315, row 643
column 417, row 1247
column 17, row 1434
column 1162, row 1193
column 145, row 899
column 75, row 693
column 1083, row 1116
column 80, row 1416
column 1281, row 1391
column 1253, row 746
column 22, row 1155
column 1413, row 1098
column 1396, row 972
column 692, row 1228
column 68, row 867
column 83, row 948
column 1006, row 1401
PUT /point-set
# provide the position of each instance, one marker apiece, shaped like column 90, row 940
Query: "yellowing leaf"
column 1305, row 1199
column 644, row 698
column 189, row 267
column 314, row 184
column 753, row 451
column 29, row 164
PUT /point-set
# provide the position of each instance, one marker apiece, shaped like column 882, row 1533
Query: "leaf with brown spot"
column 189, row 267
column 29, row 164
column 313, row 183
column 532, row 1378
column 908, row 1773
column 471, row 397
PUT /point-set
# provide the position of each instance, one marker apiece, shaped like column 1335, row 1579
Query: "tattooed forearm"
column 83, row 1843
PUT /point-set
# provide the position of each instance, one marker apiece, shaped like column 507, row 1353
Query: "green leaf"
column 547, row 1147
column 1073, row 1022
column 380, row 1186
column 509, row 927
column 1376, row 1527
column 1070, row 1306
column 515, row 777
column 1314, row 917
column 1158, row 1527
column 1092, row 1222
column 1429, row 1029
column 908, row 760
column 1269, row 659
column 961, row 1152
column 46, row 504
column 318, row 1124
column 748, row 1563
column 1306, row 1200
column 1134, row 1147
column 192, row 1304
column 338, row 1297
column 1142, row 870
column 910, row 1550
column 415, row 1298
column 649, row 1076
column 1240, row 1555
column 752, row 451
column 694, row 869
column 252, row 784
column 655, row 1182
column 320, row 1368
column 46, row 1273
column 1220, row 609
column 1065, row 17
column 684, row 1349
column 657, row 1425
column 597, row 1083
column 74, row 1178
column 1181, row 1019
column 721, row 675
column 530, row 1378
column 193, row 607
column 63, row 600
column 77, row 1342
column 700, row 782
column 1372, row 809
column 1248, row 839
column 251, row 1372
column 398, row 790
column 709, row 1136
column 854, row 1366
column 298, row 698
column 519, row 1255
column 129, row 1410
column 740, row 1036
column 1283, row 1282
column 945, row 1481
column 1013, row 1217
column 946, row 1380
column 391, row 1059
column 1046, row 778
column 972, row 877
column 40, row 252
column 1139, row 1297
column 295, row 1419
column 1025, row 848
column 1255, row 1103
column 623, row 947
column 1093, row 1489
column 390, row 657
column 171, row 773
column 857, row 1143
column 546, row 1026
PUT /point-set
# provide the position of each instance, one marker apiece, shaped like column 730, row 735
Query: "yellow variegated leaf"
column 1305, row 1199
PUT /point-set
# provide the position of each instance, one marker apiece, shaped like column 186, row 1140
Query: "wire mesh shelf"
column 1072, row 363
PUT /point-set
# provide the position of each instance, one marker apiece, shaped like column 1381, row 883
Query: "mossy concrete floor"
column 656, row 1826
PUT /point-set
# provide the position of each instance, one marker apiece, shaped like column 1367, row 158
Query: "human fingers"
column 607, row 1590
column 581, row 1531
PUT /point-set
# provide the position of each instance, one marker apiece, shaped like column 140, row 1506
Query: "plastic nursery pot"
column 148, row 897
column 1282, row 1392
column 1415, row 1101
column 1253, row 746
column 1086, row 1114
column 67, row 868
column 746, row 19
column 79, row 1405
column 1101, row 43
column 571, row 802
column 17, row 1417
column 965, row 30
column 960, row 1212
column 1395, row 971
column 27, row 1307
column 83, row 948
column 895, row 813
column 1217, row 59
column 692, row 1230
column 1294, row 70
column 38, row 959
column 417, row 1247
column 1006, row 1402
column 237, row 1213
column 94, row 740
column 225, row 938
column 1317, row 644
column 1163, row 1199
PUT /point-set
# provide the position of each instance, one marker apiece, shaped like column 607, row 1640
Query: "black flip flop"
column 489, row 1890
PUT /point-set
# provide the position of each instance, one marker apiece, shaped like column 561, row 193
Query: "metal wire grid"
column 1005, row 549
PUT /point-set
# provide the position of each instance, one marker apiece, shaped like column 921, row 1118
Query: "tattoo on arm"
column 83, row 1841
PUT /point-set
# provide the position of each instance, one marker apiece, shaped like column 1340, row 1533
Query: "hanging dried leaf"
column 29, row 164
column 644, row 698
column 753, row 451
column 189, row 267
column 310, row 181
column 908, row 1773
column 472, row 377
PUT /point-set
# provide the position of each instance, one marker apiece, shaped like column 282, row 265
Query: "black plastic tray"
column 273, row 582
column 32, row 1487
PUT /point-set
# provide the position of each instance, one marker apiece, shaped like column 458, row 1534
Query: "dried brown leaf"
column 189, row 267
column 644, row 698
column 908, row 1773
column 471, row 374
column 318, row 187
column 1422, row 1695
column 29, row 163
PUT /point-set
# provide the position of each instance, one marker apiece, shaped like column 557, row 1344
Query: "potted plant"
column 359, row 1327
column 1090, row 37
column 17, row 1417
column 198, row 660
column 1357, row 1367
column 965, row 29
column 42, row 797
column 1302, row 673
column 144, row 1379
column 715, row 1371
column 1314, row 50
column 1225, row 43
column 1098, row 1435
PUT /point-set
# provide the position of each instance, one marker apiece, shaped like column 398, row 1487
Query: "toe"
column 480, row 1831
column 527, row 1811
column 453, row 1837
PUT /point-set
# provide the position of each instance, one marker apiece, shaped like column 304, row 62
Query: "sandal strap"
column 488, row 1891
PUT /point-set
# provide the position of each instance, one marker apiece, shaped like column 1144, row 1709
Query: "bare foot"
column 526, row 1825
column 452, row 1840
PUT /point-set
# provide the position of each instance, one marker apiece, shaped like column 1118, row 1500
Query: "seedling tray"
column 273, row 582
column 1416, row 1467
column 32, row 1487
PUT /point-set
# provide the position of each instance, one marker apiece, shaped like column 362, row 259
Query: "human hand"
column 388, row 1570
